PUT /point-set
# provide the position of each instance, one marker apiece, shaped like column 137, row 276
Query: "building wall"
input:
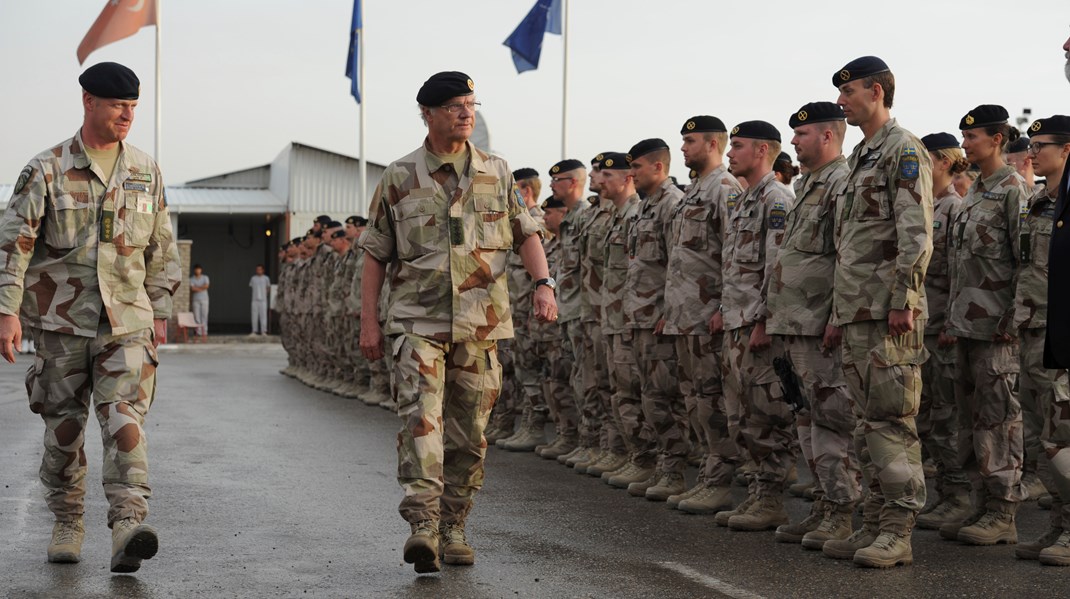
column 180, row 301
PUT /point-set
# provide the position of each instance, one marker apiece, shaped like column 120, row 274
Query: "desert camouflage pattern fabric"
column 54, row 263
column 938, row 418
column 638, row 434
column 115, row 374
column 985, row 257
column 884, row 216
column 568, row 273
column 450, row 248
column 946, row 205
column 1031, row 294
column 699, row 371
column 693, row 285
column 593, row 259
column 614, row 317
column 649, row 241
column 799, row 301
column 755, row 231
column 663, row 404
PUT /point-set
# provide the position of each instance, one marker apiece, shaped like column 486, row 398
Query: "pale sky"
column 242, row 78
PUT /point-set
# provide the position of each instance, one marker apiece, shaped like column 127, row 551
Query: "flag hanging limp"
column 118, row 20
column 526, row 40
column 352, row 64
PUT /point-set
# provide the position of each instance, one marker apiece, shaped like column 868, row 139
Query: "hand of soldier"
column 545, row 305
column 758, row 339
column 900, row 322
column 832, row 339
column 10, row 336
column 371, row 341
column 716, row 323
column 1002, row 337
column 159, row 327
column 944, row 340
column 660, row 327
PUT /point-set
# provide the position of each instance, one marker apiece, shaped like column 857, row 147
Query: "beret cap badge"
column 969, row 119
column 690, row 125
column 471, row 85
column 609, row 162
column 802, row 115
column 555, row 169
column 1036, row 126
column 845, row 74
column 735, row 130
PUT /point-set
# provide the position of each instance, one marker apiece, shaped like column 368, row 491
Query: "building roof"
column 207, row 200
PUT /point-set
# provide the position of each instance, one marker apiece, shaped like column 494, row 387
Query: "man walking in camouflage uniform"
column 90, row 258
column 444, row 217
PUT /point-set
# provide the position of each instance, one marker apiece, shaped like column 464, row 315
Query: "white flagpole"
column 159, row 109
column 564, row 82
column 363, row 206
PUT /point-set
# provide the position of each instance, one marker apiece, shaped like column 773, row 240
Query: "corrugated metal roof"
column 207, row 200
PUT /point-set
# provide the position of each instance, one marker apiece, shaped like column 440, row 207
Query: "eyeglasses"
column 560, row 179
column 1037, row 146
column 455, row 108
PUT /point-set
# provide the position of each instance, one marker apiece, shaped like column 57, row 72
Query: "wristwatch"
column 549, row 282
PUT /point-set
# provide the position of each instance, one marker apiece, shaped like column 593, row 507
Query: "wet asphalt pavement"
column 264, row 488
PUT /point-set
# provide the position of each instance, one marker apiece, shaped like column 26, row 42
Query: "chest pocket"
column 695, row 227
column 812, row 232
column 1040, row 242
column 70, row 223
column 138, row 220
column 871, row 200
column 492, row 217
column 748, row 242
column 648, row 244
column 595, row 250
column 419, row 225
column 938, row 262
column 616, row 249
column 985, row 232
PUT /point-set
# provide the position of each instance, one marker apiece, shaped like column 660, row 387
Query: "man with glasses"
column 443, row 221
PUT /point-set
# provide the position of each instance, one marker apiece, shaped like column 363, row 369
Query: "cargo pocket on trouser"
column 894, row 382
column 35, row 391
column 994, row 399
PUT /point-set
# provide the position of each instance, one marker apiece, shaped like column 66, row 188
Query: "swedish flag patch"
column 778, row 215
column 909, row 165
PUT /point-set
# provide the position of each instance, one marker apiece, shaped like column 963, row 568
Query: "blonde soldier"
column 650, row 232
column 985, row 262
column 90, row 261
column 799, row 307
column 692, row 296
column 884, row 217
column 443, row 220
column 1044, row 392
column 753, row 395
column 938, row 423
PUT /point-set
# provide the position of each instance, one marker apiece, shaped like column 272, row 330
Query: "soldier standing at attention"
column 938, row 424
column 884, row 217
column 800, row 307
column 984, row 277
column 89, row 255
column 444, row 218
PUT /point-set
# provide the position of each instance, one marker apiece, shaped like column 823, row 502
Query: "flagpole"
column 564, row 82
column 363, row 123
column 159, row 103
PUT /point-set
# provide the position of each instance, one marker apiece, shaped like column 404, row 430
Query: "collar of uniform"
column 660, row 193
column 1041, row 193
column 82, row 161
column 710, row 180
column 992, row 181
column 865, row 147
column 947, row 191
column 818, row 175
column 766, row 181
column 434, row 163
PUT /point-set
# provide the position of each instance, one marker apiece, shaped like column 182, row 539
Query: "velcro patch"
column 24, row 177
column 909, row 165
column 144, row 177
column 778, row 215
column 131, row 186
column 144, row 205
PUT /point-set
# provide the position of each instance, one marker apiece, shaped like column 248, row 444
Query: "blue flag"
column 526, row 40
column 352, row 64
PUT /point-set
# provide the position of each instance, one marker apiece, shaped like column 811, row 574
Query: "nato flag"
column 526, row 40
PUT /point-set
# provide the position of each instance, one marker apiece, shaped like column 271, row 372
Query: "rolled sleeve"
column 378, row 238
column 522, row 223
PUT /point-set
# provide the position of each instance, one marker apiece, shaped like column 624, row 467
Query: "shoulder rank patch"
column 778, row 215
column 909, row 166
column 24, row 177
column 143, row 177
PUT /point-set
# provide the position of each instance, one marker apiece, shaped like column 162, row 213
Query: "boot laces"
column 454, row 534
column 886, row 540
column 66, row 533
column 989, row 520
column 425, row 527
column 1063, row 540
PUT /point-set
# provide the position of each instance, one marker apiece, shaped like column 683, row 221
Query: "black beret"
column 359, row 221
column 939, row 141
column 443, row 86
column 783, row 157
column 297, row 240
column 816, row 112
column 756, row 130
column 859, row 68
column 338, row 234
column 703, row 124
column 597, row 160
column 525, row 173
column 1018, row 146
column 566, row 165
column 322, row 219
column 111, row 80
column 983, row 116
column 1056, row 125
column 615, row 161
column 333, row 224
column 645, row 147
column 551, row 202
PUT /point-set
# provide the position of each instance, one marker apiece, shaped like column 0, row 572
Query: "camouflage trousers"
column 938, row 418
column 754, row 398
column 359, row 371
column 1033, row 382
column 1053, row 405
column 638, row 433
column 663, row 405
column 116, row 372
column 598, row 403
column 444, row 392
column 884, row 375
column 505, row 409
column 831, row 416
column 581, row 345
column 991, row 447
column 699, row 371
column 557, row 387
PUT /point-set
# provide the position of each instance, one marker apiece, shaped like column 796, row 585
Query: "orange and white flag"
column 119, row 19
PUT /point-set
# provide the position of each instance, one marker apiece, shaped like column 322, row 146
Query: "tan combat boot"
column 950, row 509
column 627, row 469
column 1058, row 554
column 765, row 513
column 794, row 533
column 669, row 483
column 637, row 474
column 835, row 527
column 609, row 462
column 890, row 549
column 131, row 542
column 66, row 545
column 639, row 487
column 593, row 457
column 950, row 531
column 551, row 450
column 710, row 500
column 721, row 519
column 990, row 529
column 580, row 457
column 1032, row 550
column 673, row 501
column 846, row 548
column 456, row 551
column 421, row 548
column 525, row 420
column 565, row 457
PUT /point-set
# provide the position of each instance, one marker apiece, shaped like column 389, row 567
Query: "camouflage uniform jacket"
column 594, row 259
column 322, row 266
column 985, row 257
column 693, row 285
column 568, row 275
column 448, row 250
column 521, row 287
column 340, row 282
column 755, row 231
column 51, row 247
column 799, row 297
column 282, row 293
column 352, row 297
column 615, row 273
column 937, row 279
column 884, row 224
column 650, row 234
column 546, row 331
column 1031, row 297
